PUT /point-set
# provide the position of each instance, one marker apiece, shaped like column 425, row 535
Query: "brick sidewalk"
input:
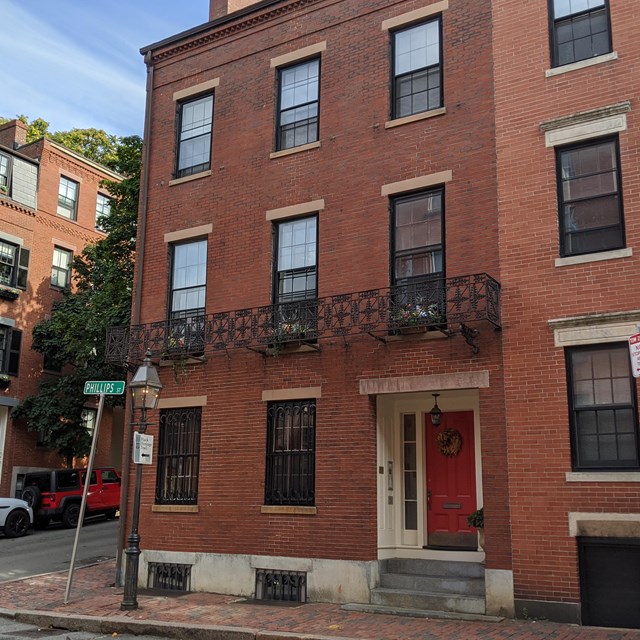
column 94, row 595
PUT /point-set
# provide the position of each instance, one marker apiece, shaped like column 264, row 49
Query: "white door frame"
column 393, row 539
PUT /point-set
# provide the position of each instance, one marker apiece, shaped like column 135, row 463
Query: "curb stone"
column 122, row 625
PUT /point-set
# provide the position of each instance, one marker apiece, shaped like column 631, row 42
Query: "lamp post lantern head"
column 145, row 385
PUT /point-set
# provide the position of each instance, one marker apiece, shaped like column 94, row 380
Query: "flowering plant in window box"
column 9, row 293
column 416, row 314
column 175, row 344
column 290, row 331
column 4, row 380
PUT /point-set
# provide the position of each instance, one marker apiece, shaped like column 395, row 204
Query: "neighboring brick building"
column 48, row 201
column 567, row 146
column 346, row 201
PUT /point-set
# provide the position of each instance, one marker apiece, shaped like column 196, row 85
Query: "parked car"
column 56, row 494
column 16, row 517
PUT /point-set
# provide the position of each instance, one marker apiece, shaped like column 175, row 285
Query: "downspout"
column 135, row 313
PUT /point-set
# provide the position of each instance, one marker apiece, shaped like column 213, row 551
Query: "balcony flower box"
column 415, row 317
column 8, row 293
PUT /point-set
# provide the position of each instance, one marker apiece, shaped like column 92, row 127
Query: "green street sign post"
column 104, row 387
column 100, row 388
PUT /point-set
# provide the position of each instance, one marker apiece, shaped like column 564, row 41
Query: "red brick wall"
column 535, row 291
column 357, row 156
column 41, row 230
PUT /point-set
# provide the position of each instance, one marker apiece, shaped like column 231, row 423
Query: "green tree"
column 95, row 144
column 74, row 336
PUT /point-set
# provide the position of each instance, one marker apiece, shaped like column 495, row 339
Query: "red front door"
column 451, row 480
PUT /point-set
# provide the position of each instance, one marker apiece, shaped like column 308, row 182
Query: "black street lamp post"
column 145, row 390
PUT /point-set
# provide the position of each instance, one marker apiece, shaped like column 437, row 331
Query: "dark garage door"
column 610, row 581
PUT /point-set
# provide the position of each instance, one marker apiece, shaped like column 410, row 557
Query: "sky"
column 77, row 63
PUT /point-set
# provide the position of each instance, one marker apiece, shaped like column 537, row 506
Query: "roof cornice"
column 223, row 27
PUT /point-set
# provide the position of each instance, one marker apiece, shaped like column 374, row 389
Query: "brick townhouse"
column 364, row 308
column 49, row 199
column 567, row 80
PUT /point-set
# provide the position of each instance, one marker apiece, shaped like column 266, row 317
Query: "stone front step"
column 433, row 567
column 429, row 583
column 438, row 601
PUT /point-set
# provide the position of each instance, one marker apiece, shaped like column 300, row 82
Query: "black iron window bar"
column 281, row 586
column 169, row 576
column 448, row 305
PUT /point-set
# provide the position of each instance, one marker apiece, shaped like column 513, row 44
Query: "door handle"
column 429, row 499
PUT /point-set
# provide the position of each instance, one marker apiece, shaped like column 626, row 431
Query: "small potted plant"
column 4, row 190
column 415, row 316
column 476, row 520
column 8, row 293
column 4, row 380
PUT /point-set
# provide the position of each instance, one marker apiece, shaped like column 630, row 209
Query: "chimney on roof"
column 219, row 8
column 13, row 134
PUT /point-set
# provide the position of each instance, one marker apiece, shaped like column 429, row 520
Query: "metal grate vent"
column 169, row 576
column 283, row 586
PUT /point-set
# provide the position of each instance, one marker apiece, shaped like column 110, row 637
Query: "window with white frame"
column 603, row 408
column 61, row 268
column 5, row 173
column 195, row 129
column 68, row 198
column 580, row 30
column 103, row 209
column 417, row 69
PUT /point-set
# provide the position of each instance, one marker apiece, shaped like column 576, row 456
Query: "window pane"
column 417, row 47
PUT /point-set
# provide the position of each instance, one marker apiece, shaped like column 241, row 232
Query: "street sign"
column 634, row 351
column 106, row 387
column 142, row 448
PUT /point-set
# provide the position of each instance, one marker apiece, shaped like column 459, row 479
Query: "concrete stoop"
column 431, row 586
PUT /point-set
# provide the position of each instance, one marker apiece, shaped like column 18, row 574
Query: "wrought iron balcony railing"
column 447, row 305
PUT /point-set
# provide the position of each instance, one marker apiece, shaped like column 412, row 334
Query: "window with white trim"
column 5, row 174
column 68, row 198
column 103, row 209
column 61, row 268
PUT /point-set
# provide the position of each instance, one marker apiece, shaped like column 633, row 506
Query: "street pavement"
column 94, row 607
